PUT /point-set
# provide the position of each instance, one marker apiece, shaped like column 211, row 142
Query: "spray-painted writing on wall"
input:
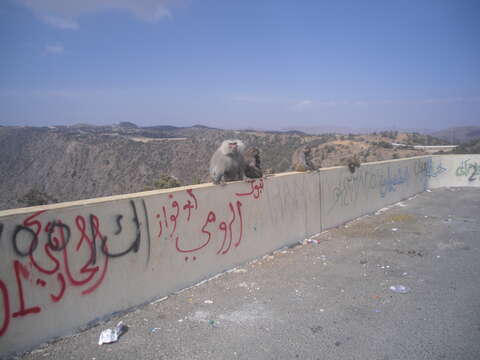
column 349, row 188
column 54, row 256
column 469, row 169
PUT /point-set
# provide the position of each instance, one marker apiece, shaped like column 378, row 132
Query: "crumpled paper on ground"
column 112, row 335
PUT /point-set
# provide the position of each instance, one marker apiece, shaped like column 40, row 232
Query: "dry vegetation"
column 52, row 164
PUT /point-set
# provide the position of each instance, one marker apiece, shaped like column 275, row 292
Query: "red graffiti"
column 22, row 271
column 50, row 257
column 173, row 218
column 228, row 229
column 171, row 221
column 239, row 209
column 189, row 205
column 255, row 189
column 6, row 308
column 61, row 280
column 211, row 218
column 223, row 227
column 47, row 247
column 160, row 231
column 165, row 216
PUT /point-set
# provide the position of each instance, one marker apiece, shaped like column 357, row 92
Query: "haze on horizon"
column 239, row 64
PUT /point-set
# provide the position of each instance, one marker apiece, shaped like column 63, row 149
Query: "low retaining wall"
column 454, row 170
column 66, row 265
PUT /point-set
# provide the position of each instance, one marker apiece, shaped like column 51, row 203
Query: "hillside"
column 44, row 165
column 458, row 135
column 471, row 147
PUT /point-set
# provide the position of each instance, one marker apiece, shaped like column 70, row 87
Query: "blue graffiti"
column 431, row 172
column 391, row 181
column 465, row 167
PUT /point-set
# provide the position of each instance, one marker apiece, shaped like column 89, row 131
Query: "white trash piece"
column 400, row 289
column 111, row 335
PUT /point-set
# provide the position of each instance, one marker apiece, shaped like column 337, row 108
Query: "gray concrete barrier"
column 346, row 196
column 66, row 265
column 454, row 170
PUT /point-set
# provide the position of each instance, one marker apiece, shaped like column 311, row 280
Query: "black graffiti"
column 148, row 230
column 476, row 171
column 1, row 230
column 56, row 245
column 135, row 246
column 33, row 242
column 118, row 219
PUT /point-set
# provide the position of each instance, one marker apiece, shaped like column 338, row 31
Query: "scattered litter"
column 381, row 210
column 322, row 310
column 243, row 284
column 405, row 274
column 313, row 241
column 428, row 190
column 180, row 320
column 212, row 322
column 154, row 330
column 159, row 300
column 400, row 289
column 208, row 302
column 112, row 335
column 239, row 270
column 199, row 316
column 394, row 229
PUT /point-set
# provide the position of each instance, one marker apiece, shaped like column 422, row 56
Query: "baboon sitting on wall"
column 227, row 163
column 302, row 159
column 252, row 163
column 353, row 162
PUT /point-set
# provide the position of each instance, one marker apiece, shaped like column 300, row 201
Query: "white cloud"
column 62, row 13
column 54, row 49
column 60, row 23
column 256, row 99
column 303, row 105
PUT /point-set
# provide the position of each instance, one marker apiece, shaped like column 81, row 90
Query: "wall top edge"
column 106, row 199
column 380, row 162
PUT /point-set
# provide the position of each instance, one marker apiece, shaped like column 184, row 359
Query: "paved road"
column 329, row 300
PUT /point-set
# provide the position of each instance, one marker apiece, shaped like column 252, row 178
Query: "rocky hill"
column 459, row 135
column 44, row 165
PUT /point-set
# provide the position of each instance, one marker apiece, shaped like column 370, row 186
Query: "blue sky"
column 267, row 64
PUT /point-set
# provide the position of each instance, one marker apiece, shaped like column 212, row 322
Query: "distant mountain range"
column 457, row 135
column 454, row 135
column 63, row 163
column 332, row 129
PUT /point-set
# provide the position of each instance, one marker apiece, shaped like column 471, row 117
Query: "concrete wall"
column 346, row 196
column 454, row 170
column 65, row 265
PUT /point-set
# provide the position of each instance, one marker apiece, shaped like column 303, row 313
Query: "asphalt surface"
column 330, row 300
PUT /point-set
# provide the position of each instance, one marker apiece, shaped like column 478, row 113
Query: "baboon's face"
column 232, row 147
